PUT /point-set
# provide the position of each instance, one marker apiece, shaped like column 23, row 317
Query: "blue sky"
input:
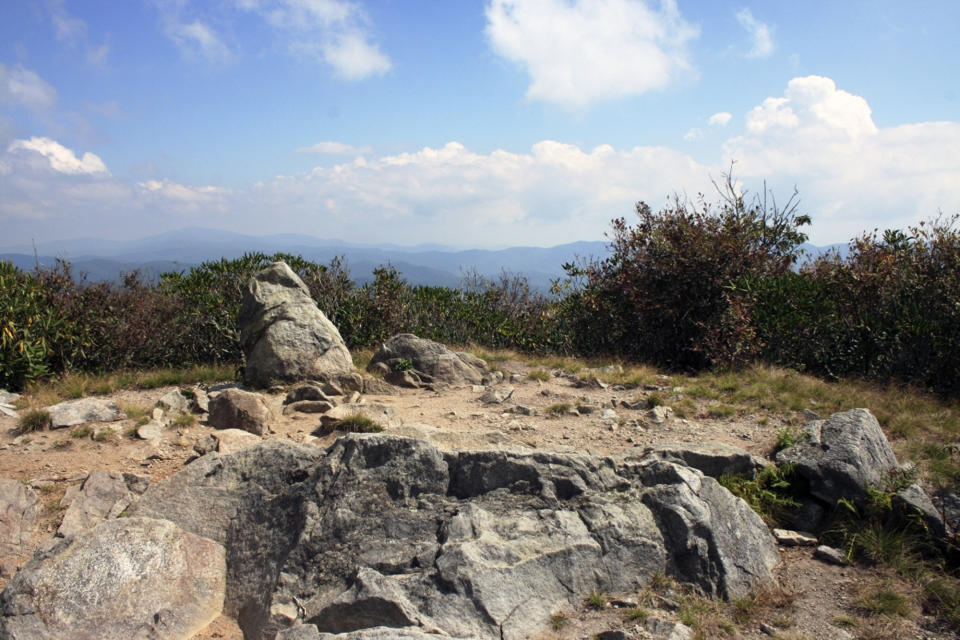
column 468, row 123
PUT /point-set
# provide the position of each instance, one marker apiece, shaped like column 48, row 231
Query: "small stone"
column 157, row 414
column 788, row 538
column 153, row 430
column 608, row 415
column 830, row 555
column 497, row 395
column 660, row 414
column 174, row 401
column 307, row 406
column 768, row 629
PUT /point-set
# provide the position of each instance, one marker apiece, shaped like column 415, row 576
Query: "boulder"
column 74, row 412
column 284, row 335
column 378, row 387
column 237, row 409
column 913, row 502
column 104, row 495
column 18, row 511
column 310, row 392
column 128, row 578
column 431, row 361
column 174, row 401
column 842, row 456
column 714, row 540
column 308, row 406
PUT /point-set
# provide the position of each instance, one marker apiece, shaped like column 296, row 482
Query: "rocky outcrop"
column 842, row 456
column 18, row 511
column 431, row 361
column 714, row 540
column 104, row 495
column 238, row 409
column 128, row 578
column 74, row 412
column 713, row 459
column 284, row 336
column 384, row 532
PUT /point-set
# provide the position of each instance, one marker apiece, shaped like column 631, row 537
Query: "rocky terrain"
column 483, row 503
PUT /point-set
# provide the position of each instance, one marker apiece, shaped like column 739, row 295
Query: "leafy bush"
column 673, row 292
column 890, row 310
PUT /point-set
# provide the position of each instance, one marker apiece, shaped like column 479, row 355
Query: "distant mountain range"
column 179, row 250
column 107, row 260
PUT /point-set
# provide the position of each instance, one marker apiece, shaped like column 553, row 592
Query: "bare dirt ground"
column 815, row 598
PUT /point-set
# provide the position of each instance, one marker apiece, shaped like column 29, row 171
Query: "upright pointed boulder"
column 284, row 335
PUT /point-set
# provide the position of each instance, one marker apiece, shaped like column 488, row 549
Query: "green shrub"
column 673, row 290
column 359, row 423
column 773, row 493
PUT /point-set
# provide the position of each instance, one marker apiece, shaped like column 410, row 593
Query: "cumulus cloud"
column 59, row 157
column 334, row 148
column 693, row 134
column 721, row 119
column 588, row 50
column 21, row 87
column 854, row 175
column 334, row 32
column 186, row 197
column 761, row 36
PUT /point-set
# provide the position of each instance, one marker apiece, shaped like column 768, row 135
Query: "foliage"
column 773, row 493
column 673, row 292
column 33, row 420
column 890, row 310
column 359, row 423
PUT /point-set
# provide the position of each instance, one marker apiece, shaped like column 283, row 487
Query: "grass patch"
column 184, row 419
column 558, row 409
column 885, row 601
column 361, row 358
column 75, row 385
column 558, row 621
column 722, row 410
column 359, row 423
column 33, row 420
column 83, row 431
column 539, row 374
column 636, row 614
column 596, row 600
column 103, row 435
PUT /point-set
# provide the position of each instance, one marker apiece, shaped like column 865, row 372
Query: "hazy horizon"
column 490, row 124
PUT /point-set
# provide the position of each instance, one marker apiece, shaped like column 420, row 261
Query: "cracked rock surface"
column 387, row 536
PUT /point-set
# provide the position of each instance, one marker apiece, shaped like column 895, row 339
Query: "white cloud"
column 334, row 148
column 97, row 56
column 67, row 28
column 581, row 51
column 353, row 58
column 196, row 39
column 185, row 197
column 853, row 175
column 721, row 118
column 693, row 134
column 24, row 88
column 761, row 36
column 59, row 157
column 335, row 32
